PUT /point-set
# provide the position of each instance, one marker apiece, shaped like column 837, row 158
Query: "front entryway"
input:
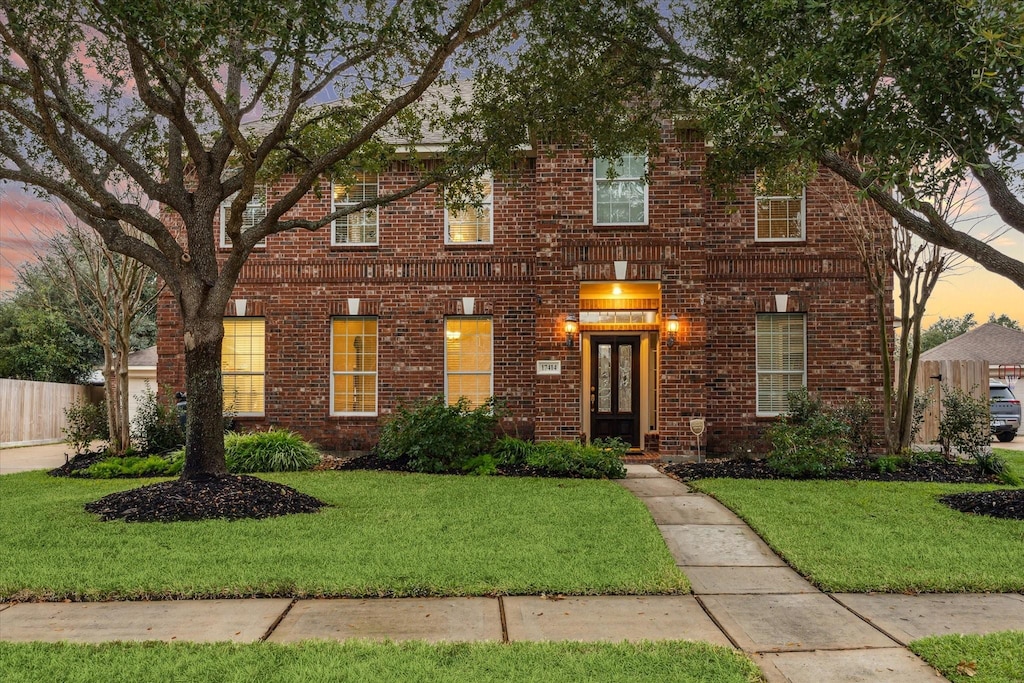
column 615, row 388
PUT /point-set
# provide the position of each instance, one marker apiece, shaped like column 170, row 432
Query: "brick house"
column 590, row 306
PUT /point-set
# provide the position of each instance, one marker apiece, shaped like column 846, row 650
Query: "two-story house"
column 626, row 306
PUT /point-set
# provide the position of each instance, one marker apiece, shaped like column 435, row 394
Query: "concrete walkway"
column 744, row 596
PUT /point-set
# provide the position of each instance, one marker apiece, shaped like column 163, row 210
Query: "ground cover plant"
column 990, row 658
column 879, row 536
column 381, row 534
column 385, row 662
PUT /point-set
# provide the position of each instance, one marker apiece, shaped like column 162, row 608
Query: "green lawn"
column 992, row 658
column 871, row 536
column 365, row 662
column 1015, row 459
column 385, row 534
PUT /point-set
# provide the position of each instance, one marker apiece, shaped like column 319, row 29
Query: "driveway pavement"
column 26, row 458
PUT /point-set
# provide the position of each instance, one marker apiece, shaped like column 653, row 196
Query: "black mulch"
column 77, row 463
column 1005, row 503
column 223, row 497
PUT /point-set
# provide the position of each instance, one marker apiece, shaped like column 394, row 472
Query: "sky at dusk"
column 969, row 289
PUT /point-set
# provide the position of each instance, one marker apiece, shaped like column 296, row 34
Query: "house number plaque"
column 549, row 367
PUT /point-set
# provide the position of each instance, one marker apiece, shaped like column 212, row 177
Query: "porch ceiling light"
column 572, row 326
column 672, row 328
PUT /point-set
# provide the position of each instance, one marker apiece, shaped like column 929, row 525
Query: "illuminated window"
column 468, row 359
column 354, row 366
column 781, row 359
column 779, row 212
column 621, row 200
column 472, row 224
column 359, row 227
column 254, row 212
column 243, row 365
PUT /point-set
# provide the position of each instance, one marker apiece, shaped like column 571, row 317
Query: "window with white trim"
column 359, row 227
column 472, row 224
column 354, row 366
column 781, row 359
column 468, row 359
column 621, row 200
column 779, row 211
column 243, row 365
column 254, row 212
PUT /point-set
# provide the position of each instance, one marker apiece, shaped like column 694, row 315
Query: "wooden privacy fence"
column 33, row 412
column 970, row 376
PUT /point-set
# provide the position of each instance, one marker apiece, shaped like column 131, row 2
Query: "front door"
column 615, row 388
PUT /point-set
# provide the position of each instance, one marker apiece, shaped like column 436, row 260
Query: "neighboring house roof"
column 990, row 342
column 143, row 358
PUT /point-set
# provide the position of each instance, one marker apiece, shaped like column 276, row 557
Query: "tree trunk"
column 204, row 427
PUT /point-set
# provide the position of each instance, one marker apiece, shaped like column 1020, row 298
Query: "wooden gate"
column 936, row 376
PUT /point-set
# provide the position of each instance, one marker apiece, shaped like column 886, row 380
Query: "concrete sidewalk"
column 744, row 596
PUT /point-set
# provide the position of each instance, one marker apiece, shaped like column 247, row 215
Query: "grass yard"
column 1015, row 459
column 385, row 534
column 364, row 662
column 992, row 658
column 871, row 536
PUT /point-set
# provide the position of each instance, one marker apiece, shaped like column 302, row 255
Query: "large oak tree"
column 104, row 101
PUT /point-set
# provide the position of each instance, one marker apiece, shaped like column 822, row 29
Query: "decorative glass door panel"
column 615, row 388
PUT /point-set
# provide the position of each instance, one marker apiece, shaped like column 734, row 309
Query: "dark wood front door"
column 615, row 388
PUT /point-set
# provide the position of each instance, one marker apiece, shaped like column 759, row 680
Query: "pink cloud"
column 25, row 223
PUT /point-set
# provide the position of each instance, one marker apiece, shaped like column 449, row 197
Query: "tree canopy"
column 903, row 100
column 121, row 105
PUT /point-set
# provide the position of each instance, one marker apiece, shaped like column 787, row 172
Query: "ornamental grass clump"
column 275, row 450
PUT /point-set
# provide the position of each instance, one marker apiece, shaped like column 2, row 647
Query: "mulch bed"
column 227, row 496
column 77, row 463
column 1008, row 504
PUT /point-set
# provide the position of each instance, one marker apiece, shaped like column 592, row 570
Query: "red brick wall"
column 702, row 250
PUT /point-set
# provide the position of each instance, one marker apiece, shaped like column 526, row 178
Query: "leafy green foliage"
column 812, row 440
column 275, row 450
column 157, row 424
column 601, row 458
column 134, row 466
column 1004, row 320
column 964, row 428
column 944, row 329
column 40, row 345
column 437, row 437
column 87, row 422
column 887, row 463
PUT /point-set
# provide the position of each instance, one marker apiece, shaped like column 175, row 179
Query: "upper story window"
column 472, row 224
column 779, row 211
column 781, row 340
column 359, row 227
column 254, row 212
column 621, row 200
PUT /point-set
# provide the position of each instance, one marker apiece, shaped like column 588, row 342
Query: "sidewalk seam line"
column 504, row 623
column 716, row 623
column 277, row 622
column 867, row 621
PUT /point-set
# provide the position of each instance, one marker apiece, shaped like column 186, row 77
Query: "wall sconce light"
column 571, row 327
column 672, row 328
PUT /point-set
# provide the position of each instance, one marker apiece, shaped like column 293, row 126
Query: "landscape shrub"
column 87, row 422
column 434, row 436
column 513, row 452
column 133, row 466
column 156, row 427
column 965, row 427
column 810, row 441
column 857, row 416
column 275, row 450
column 601, row 458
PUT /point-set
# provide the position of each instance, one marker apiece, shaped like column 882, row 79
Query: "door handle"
column 593, row 397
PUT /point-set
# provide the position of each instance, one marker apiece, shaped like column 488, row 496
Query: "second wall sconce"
column 571, row 327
